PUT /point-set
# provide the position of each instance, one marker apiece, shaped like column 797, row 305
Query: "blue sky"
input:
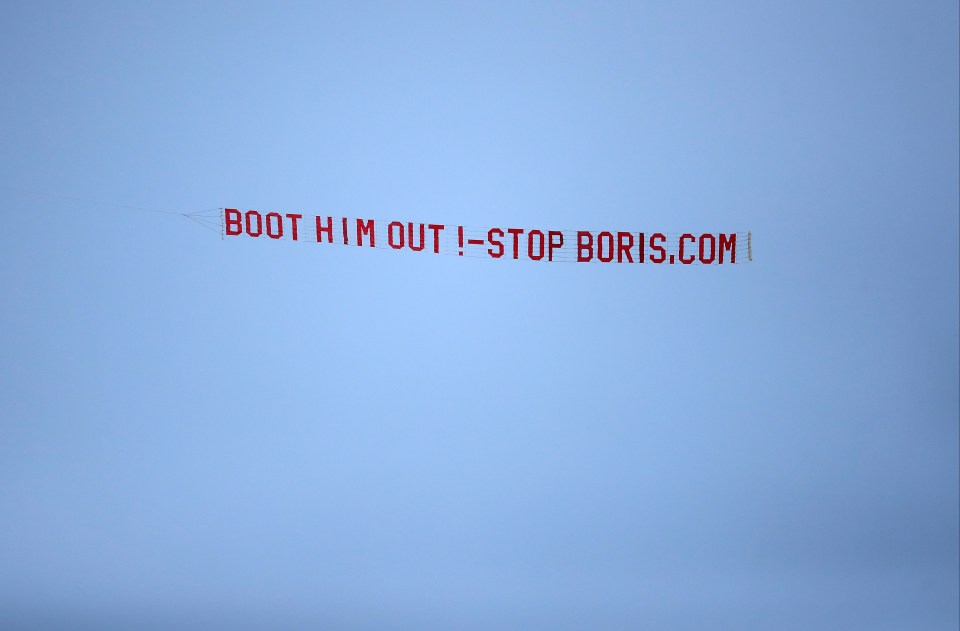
column 270, row 434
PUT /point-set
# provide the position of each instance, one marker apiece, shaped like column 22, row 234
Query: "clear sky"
column 260, row 434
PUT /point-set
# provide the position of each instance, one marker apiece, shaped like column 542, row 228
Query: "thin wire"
column 90, row 201
column 208, row 210
column 205, row 225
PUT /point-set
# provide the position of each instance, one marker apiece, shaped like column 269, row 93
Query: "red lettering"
column 410, row 240
column 584, row 243
column 232, row 221
column 624, row 245
column 395, row 242
column 728, row 243
column 495, row 242
column 609, row 237
column 684, row 237
column 279, row 232
column 553, row 236
column 346, row 240
column 516, row 232
column 366, row 228
column 658, row 236
column 328, row 229
column 293, row 218
column 259, row 223
column 713, row 248
column 641, row 243
column 535, row 234
column 436, row 236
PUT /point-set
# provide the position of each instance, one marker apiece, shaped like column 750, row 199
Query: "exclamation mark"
column 460, row 239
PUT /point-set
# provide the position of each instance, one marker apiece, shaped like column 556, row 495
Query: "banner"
column 502, row 242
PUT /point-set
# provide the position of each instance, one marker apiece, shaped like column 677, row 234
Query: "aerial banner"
column 499, row 242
